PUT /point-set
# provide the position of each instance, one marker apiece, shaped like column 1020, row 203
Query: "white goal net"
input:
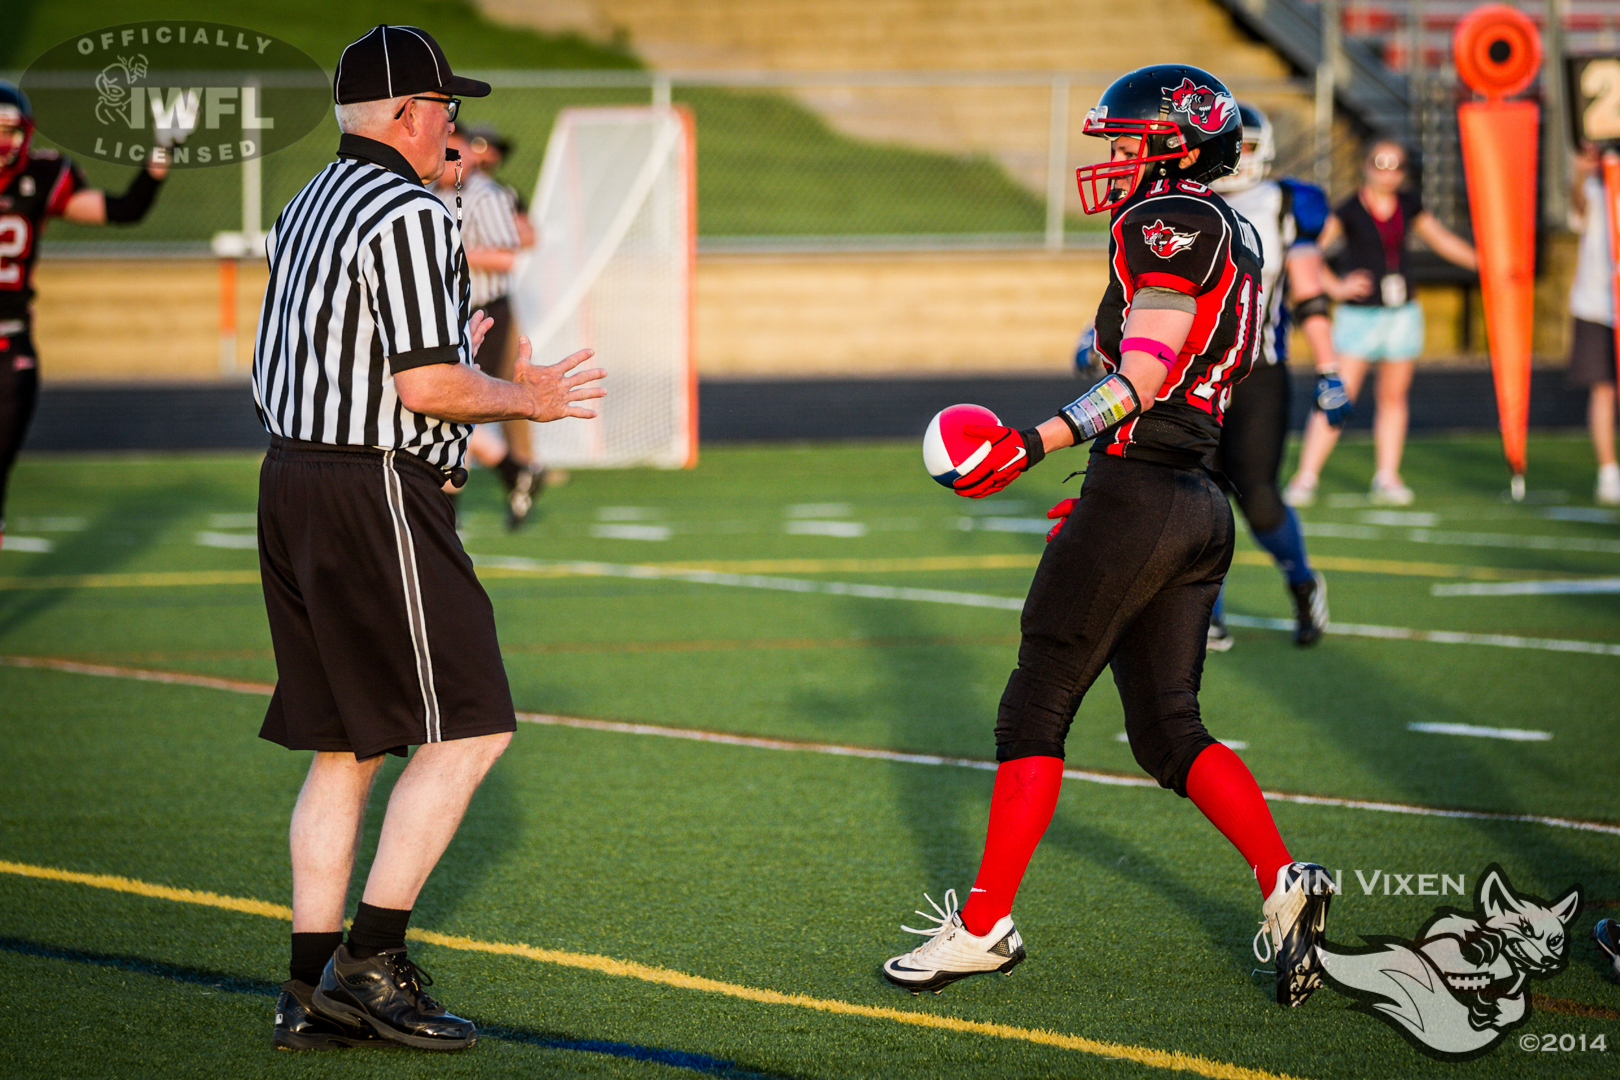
column 612, row 270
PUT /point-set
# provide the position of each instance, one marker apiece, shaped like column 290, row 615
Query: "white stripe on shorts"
column 414, row 614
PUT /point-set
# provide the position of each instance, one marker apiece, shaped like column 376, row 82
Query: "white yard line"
column 1007, row 603
column 178, row 678
column 1462, row 539
column 1438, row 637
column 1477, row 732
column 1572, row 587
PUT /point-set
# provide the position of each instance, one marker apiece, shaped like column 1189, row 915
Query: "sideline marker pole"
column 1498, row 53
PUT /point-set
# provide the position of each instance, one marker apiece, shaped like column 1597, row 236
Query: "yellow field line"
column 607, row 965
column 126, row 581
column 919, row 564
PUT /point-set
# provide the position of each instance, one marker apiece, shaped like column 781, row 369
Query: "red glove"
column 1011, row 452
column 1061, row 511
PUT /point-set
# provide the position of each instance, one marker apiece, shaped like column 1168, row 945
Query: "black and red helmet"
column 1173, row 109
column 15, row 112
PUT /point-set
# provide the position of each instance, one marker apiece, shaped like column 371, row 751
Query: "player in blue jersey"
column 1289, row 215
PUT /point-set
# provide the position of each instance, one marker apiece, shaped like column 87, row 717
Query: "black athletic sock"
column 376, row 929
column 509, row 468
column 310, row 952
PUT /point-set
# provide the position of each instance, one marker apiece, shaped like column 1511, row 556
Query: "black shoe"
column 526, row 488
column 384, row 993
column 298, row 1028
column 1607, row 936
column 1310, row 610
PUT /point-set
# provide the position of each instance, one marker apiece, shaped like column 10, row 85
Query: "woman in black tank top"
column 1377, row 320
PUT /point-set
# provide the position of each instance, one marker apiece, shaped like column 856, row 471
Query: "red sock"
column 1021, row 808
column 1222, row 787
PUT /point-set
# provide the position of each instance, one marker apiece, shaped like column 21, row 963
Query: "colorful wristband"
column 1161, row 352
column 1105, row 406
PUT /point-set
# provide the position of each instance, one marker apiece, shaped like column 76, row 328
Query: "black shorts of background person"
column 1253, row 436
column 1128, row 583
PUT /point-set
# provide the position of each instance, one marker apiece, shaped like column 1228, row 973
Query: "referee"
column 363, row 373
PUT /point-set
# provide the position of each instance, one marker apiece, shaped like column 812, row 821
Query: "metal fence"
column 786, row 161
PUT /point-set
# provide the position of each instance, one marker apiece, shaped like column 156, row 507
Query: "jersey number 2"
column 13, row 243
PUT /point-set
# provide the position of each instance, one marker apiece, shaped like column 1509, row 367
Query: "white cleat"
column 1389, row 491
column 951, row 953
column 1295, row 916
column 1607, row 492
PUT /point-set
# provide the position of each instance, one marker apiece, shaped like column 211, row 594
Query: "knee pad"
column 1166, row 745
column 1034, row 717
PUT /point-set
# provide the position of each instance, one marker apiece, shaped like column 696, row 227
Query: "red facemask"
column 1099, row 187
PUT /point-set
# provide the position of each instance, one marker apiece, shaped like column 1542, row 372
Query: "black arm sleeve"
column 132, row 205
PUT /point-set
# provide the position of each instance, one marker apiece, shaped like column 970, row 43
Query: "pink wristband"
column 1161, row 352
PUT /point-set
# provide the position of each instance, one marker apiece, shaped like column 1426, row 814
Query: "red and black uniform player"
column 1133, row 568
column 35, row 186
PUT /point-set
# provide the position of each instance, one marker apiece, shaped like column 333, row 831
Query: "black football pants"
column 19, row 390
column 1253, row 434
column 1128, row 582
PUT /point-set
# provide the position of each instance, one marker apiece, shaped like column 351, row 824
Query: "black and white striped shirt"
column 488, row 220
column 368, row 278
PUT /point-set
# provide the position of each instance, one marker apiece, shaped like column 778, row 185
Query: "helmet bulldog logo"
column 1164, row 241
column 1206, row 109
column 1460, row 986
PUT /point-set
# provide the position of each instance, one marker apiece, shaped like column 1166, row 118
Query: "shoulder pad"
column 1310, row 207
column 43, row 154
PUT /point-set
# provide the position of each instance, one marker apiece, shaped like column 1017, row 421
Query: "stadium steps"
column 1011, row 124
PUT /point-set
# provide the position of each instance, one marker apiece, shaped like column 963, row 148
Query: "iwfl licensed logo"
column 136, row 92
column 1460, row 985
column 1206, row 109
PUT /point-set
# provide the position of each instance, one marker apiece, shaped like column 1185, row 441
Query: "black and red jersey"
column 32, row 194
column 1179, row 235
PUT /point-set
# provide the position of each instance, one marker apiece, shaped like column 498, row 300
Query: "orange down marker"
column 1498, row 53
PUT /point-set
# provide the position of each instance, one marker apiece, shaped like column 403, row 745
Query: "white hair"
column 361, row 116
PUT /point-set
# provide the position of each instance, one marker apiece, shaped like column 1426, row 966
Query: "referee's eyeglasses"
column 451, row 106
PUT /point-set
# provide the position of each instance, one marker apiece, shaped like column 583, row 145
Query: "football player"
column 35, row 186
column 1289, row 215
column 1133, row 566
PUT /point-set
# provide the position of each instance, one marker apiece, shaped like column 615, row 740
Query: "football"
column 947, row 453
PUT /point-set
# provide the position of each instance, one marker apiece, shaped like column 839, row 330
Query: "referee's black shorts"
column 384, row 637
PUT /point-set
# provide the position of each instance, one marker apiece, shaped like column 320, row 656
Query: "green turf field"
column 630, row 904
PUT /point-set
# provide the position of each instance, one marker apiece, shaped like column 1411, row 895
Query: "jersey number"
column 13, row 243
column 1212, row 384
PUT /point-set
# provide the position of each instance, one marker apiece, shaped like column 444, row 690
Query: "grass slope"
column 786, row 871
column 768, row 166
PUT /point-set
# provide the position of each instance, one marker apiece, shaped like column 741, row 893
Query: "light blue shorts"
column 1378, row 333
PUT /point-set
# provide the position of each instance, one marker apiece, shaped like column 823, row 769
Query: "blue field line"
column 239, row 984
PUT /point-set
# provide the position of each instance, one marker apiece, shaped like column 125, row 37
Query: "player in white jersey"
column 1287, row 214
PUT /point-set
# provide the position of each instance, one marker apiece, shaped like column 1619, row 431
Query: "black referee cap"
column 392, row 61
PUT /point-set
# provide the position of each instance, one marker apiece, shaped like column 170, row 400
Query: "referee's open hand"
column 555, row 388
